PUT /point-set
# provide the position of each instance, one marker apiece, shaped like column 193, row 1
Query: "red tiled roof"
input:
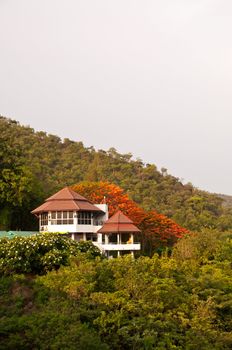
column 118, row 223
column 65, row 194
column 66, row 199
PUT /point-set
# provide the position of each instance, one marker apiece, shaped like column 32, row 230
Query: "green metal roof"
column 12, row 234
column 3, row 234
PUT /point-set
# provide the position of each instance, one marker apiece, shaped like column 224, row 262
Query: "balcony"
column 117, row 247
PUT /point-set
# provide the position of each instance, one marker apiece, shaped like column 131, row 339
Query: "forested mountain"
column 35, row 164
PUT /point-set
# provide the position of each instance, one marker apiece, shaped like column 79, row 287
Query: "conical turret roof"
column 118, row 223
column 66, row 199
column 66, row 194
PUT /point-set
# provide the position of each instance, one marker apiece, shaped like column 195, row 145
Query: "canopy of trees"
column 182, row 302
column 34, row 165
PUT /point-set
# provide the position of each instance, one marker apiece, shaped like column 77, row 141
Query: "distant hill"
column 227, row 200
column 37, row 164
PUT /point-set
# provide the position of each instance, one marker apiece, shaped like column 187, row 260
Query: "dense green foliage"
column 183, row 302
column 41, row 253
column 34, row 165
column 19, row 188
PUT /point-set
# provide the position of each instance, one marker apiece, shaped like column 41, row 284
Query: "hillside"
column 35, row 164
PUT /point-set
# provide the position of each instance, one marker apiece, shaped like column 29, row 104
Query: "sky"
column 150, row 77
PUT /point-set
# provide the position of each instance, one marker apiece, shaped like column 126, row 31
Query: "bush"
column 41, row 253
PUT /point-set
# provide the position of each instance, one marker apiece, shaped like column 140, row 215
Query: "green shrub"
column 40, row 253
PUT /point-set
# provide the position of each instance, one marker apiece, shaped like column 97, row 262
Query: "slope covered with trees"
column 35, row 164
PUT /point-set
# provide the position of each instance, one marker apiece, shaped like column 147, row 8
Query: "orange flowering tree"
column 158, row 231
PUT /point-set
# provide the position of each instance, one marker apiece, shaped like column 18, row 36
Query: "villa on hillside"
column 72, row 214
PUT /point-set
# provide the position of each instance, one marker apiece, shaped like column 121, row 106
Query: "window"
column 44, row 219
column 91, row 237
column 62, row 218
column 85, row 218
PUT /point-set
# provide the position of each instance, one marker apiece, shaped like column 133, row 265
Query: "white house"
column 68, row 212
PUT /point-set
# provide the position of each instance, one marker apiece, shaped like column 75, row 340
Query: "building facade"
column 72, row 214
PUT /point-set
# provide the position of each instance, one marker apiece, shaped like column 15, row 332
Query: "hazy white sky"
column 151, row 77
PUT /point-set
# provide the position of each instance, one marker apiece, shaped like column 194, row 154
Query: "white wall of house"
column 104, row 208
column 73, row 228
column 59, row 228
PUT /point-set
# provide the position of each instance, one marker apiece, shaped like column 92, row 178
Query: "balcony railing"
column 115, row 246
